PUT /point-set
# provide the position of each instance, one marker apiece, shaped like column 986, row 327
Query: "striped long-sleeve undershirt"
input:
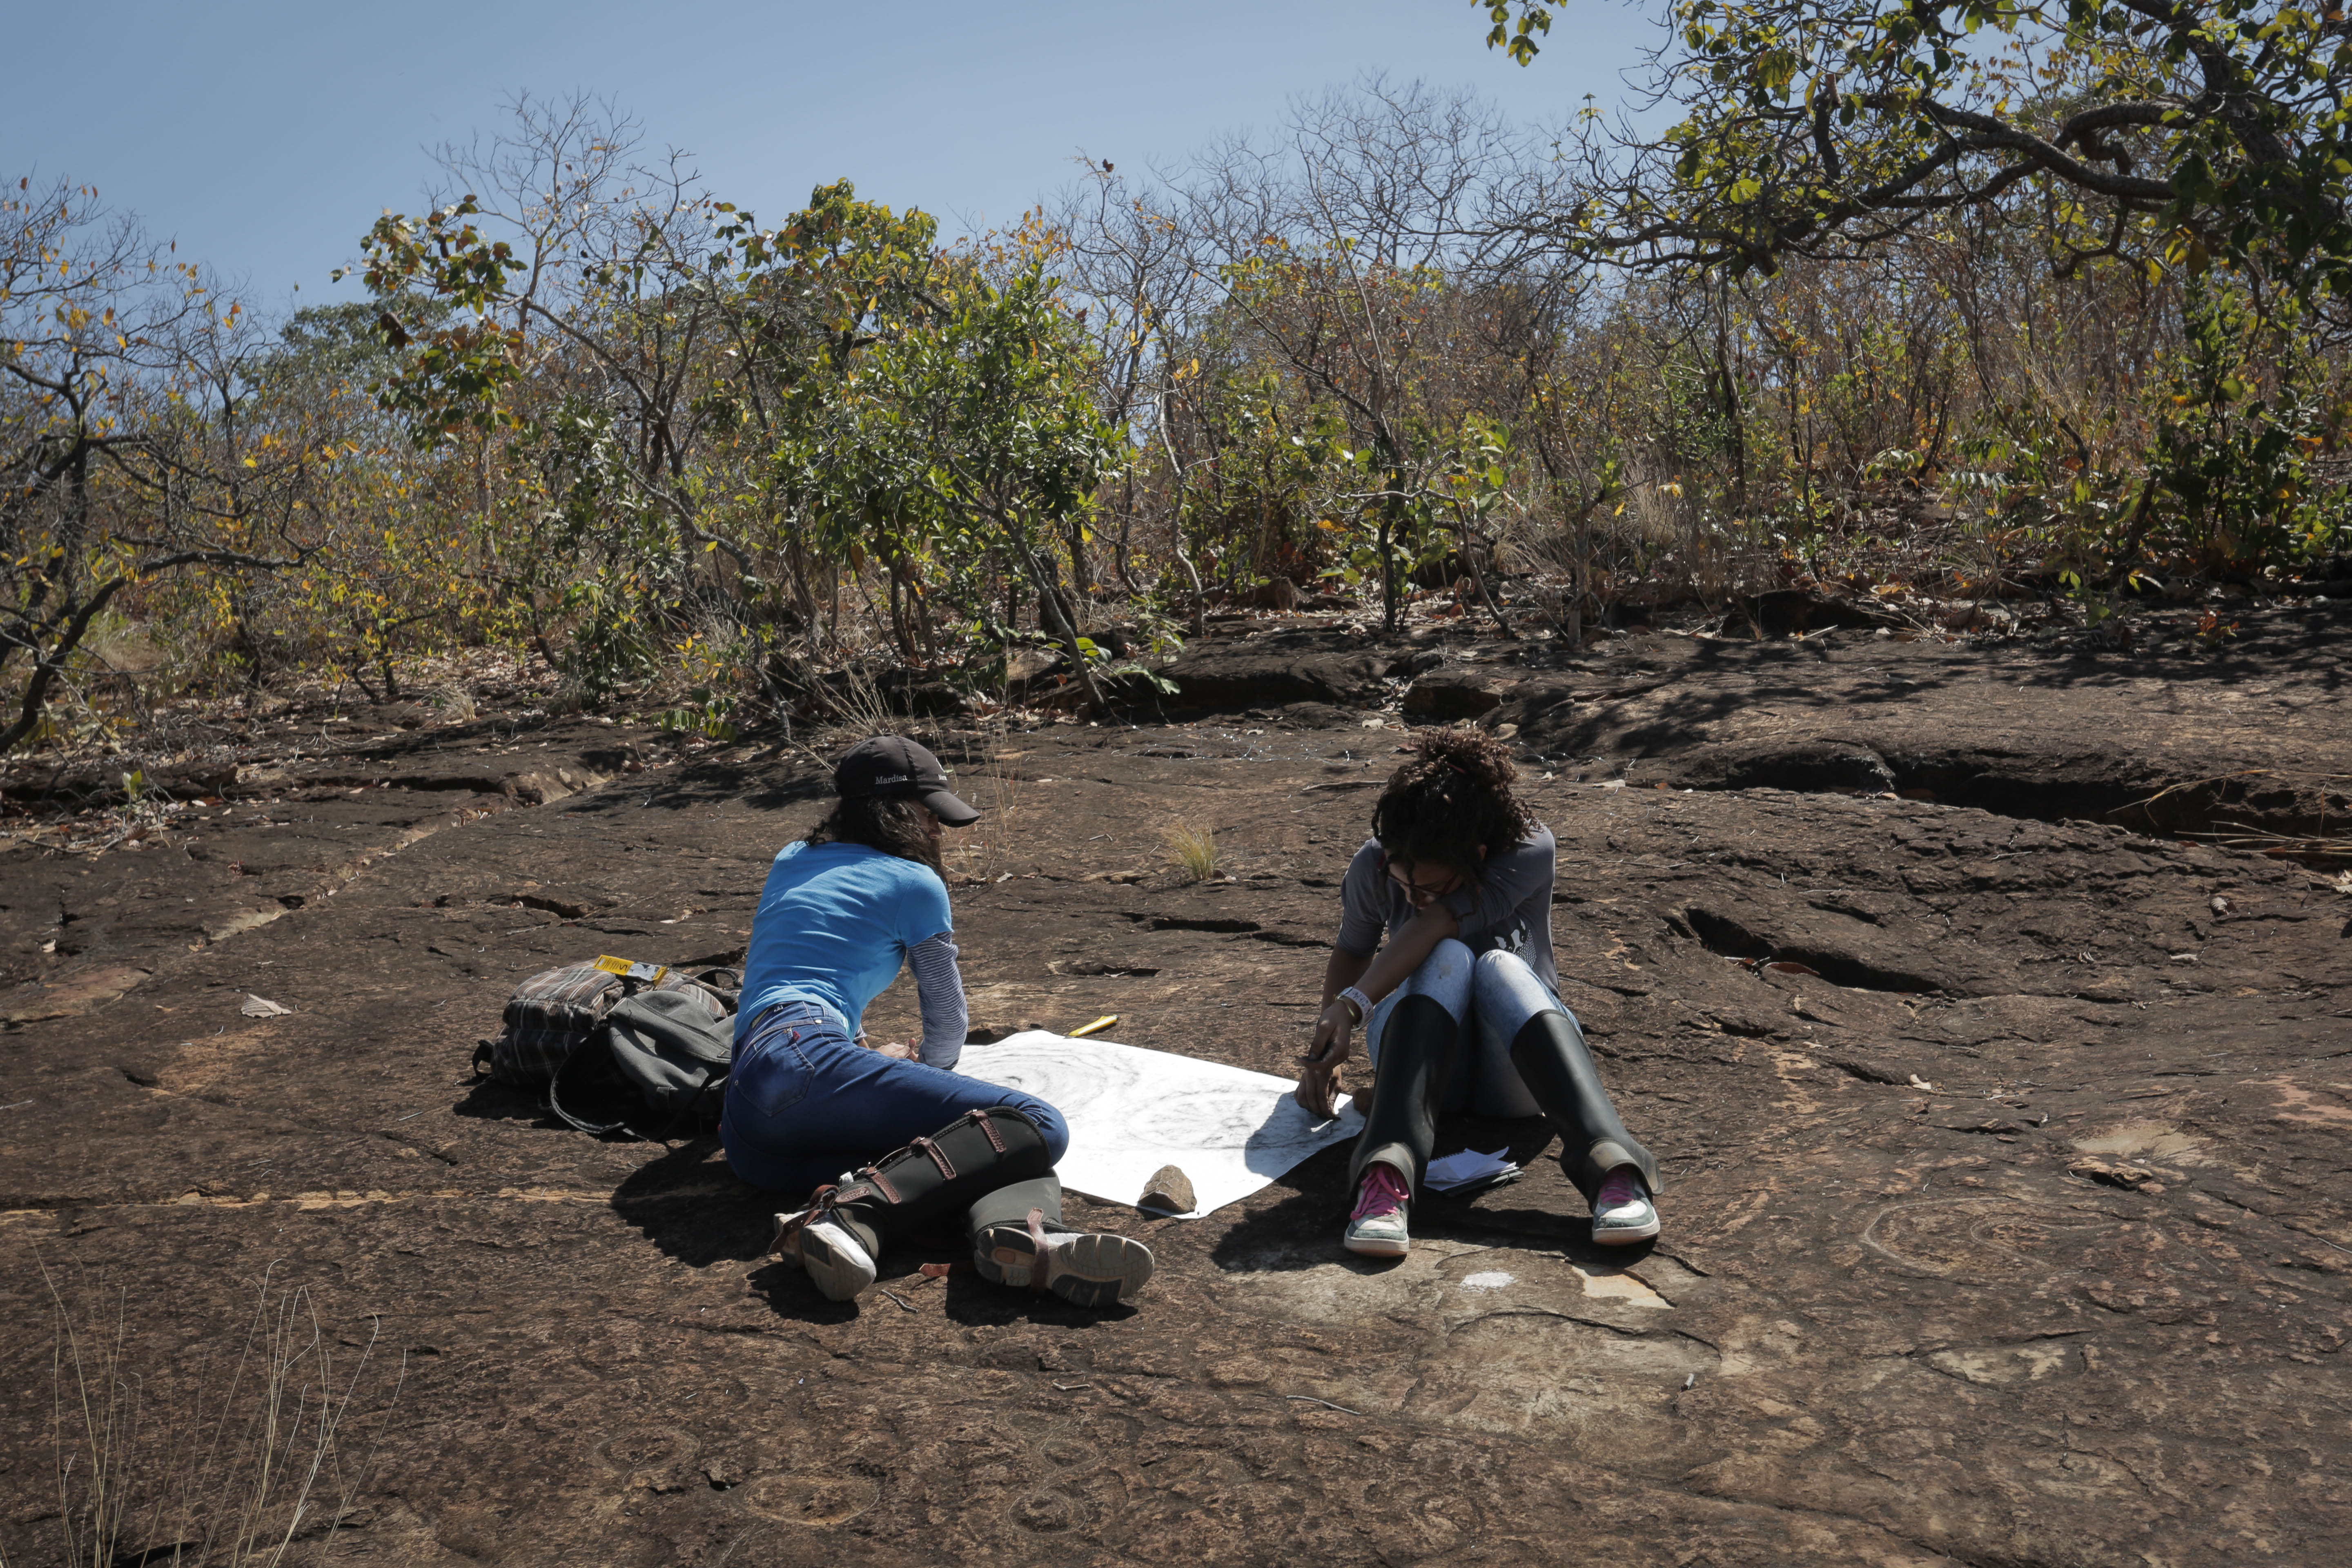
column 939, row 986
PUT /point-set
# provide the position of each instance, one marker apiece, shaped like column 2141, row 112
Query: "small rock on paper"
column 263, row 1007
column 1169, row 1190
column 1466, row 1168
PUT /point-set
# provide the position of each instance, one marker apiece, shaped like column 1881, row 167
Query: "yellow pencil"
column 1105, row 1022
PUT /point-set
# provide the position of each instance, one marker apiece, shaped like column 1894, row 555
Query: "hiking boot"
column 817, row 1240
column 1377, row 1228
column 1552, row 1060
column 1621, row 1210
column 1088, row 1269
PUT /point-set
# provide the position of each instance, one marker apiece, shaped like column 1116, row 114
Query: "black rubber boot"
column 977, row 1153
column 1416, row 1062
column 1550, row 1052
column 1018, row 1239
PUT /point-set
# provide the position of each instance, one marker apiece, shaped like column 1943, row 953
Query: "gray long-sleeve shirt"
column 1506, row 907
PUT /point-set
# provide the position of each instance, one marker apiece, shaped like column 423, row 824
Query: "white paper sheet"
column 1132, row 1112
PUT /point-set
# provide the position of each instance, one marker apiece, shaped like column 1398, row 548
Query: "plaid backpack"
column 553, row 1013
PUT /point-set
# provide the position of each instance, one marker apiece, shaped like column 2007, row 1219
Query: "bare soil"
column 2007, row 1220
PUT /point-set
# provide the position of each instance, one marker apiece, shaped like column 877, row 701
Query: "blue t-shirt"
column 834, row 922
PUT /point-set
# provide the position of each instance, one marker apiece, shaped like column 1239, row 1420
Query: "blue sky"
column 267, row 137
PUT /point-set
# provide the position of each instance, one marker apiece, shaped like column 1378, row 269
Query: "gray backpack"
column 656, row 1069
column 555, row 1012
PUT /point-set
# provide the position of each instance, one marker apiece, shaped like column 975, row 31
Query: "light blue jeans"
column 1497, row 994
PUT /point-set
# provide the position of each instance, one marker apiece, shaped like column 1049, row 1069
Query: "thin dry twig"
column 2276, row 845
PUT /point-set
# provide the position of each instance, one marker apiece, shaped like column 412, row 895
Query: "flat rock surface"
column 2006, row 1215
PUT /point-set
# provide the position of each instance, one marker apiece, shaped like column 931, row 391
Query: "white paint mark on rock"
column 1619, row 1286
column 1493, row 1279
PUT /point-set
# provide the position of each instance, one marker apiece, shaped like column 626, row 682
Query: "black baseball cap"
column 894, row 766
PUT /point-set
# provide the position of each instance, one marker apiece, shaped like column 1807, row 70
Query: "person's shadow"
column 690, row 1205
column 694, row 1208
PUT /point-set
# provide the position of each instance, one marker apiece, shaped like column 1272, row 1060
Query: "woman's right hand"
column 1318, row 1077
column 1331, row 1040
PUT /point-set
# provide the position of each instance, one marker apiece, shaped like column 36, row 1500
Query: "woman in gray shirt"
column 1461, row 1007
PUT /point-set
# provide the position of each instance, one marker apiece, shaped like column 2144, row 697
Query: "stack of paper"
column 1468, row 1169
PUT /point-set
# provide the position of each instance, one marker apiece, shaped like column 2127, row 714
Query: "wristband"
column 1359, row 1001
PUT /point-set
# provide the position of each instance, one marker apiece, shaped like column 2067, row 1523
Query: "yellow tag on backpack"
column 629, row 969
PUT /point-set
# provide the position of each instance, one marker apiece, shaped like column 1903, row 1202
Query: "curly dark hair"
column 893, row 824
column 1453, row 799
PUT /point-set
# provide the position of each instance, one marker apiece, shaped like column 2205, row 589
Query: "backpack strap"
column 693, row 1120
column 555, row 1085
column 482, row 1049
column 726, row 985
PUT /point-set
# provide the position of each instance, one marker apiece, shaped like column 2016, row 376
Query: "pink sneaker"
column 1621, row 1210
column 1377, row 1228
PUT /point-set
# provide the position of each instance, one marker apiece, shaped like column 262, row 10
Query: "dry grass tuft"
column 248, row 1469
column 858, row 708
column 1191, row 850
column 985, row 850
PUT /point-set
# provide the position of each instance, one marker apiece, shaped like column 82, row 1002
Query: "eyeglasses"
column 1425, row 884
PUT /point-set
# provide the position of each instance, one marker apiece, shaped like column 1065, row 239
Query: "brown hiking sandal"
column 1088, row 1269
column 836, row 1264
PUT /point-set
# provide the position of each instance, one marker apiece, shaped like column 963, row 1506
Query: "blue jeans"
column 1494, row 993
column 805, row 1102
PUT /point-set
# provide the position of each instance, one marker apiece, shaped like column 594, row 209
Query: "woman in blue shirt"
column 808, row 1096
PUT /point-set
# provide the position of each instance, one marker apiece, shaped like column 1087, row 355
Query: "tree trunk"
column 1729, row 391
column 1176, row 522
column 1049, row 605
column 1579, row 581
column 46, row 667
column 1388, row 510
column 897, row 614
column 1081, row 574
column 1478, row 576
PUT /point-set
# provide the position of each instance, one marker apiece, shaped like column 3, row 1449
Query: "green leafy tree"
column 587, row 310
column 2202, row 130
column 972, row 427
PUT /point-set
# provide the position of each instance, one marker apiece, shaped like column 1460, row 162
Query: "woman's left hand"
column 901, row 1051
